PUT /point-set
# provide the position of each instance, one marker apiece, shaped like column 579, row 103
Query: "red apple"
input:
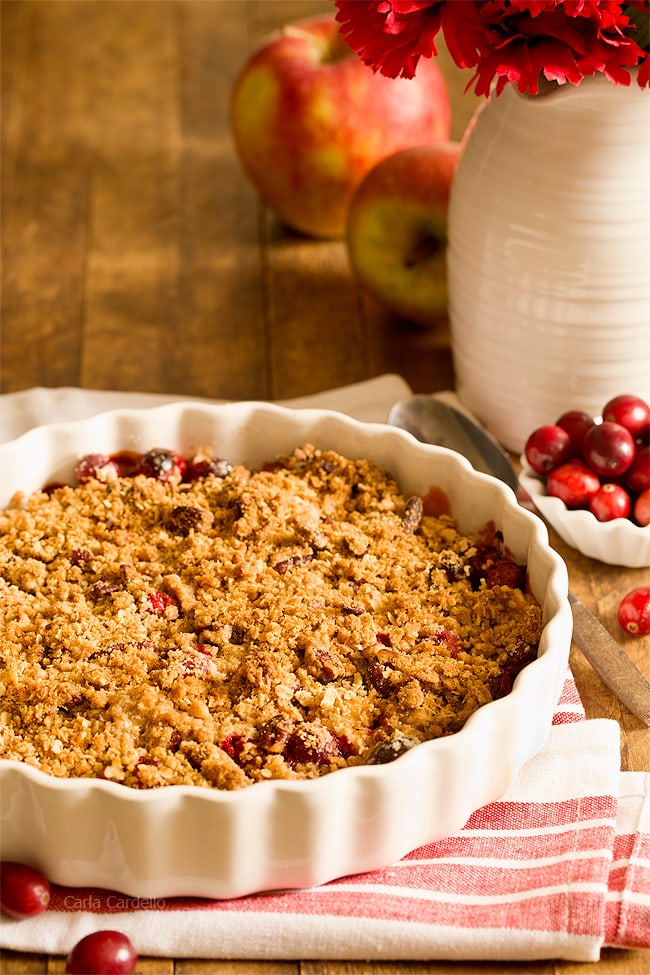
column 396, row 230
column 309, row 120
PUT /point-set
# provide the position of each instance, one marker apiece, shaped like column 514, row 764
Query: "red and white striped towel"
column 559, row 867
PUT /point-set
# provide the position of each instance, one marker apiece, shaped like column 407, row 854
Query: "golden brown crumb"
column 279, row 623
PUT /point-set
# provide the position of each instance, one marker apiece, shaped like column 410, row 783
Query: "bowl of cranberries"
column 145, row 838
column 589, row 477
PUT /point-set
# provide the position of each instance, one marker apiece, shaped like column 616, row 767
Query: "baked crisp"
column 247, row 625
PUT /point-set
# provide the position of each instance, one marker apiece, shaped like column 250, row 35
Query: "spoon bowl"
column 433, row 421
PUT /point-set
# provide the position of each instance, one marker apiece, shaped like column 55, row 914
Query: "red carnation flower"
column 391, row 36
column 513, row 41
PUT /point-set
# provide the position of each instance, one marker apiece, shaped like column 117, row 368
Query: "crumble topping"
column 247, row 624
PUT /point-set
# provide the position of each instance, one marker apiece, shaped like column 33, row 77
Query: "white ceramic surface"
column 549, row 255
column 617, row 542
column 191, row 841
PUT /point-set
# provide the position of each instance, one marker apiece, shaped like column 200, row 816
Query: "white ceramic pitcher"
column 549, row 255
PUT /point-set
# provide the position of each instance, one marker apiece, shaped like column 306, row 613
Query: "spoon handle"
column 610, row 661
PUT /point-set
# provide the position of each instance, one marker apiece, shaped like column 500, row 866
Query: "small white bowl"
column 617, row 542
column 186, row 840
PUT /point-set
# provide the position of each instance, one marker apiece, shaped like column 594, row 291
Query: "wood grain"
column 136, row 256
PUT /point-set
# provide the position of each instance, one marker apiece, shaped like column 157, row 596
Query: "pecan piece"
column 275, row 734
column 412, row 514
column 286, row 564
column 101, row 589
column 388, row 751
column 379, row 676
column 314, row 537
column 237, row 634
column 322, row 663
column 184, row 518
column 80, row 556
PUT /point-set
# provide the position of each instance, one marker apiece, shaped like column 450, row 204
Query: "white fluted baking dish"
column 186, row 840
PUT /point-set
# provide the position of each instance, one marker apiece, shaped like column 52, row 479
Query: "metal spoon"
column 434, row 421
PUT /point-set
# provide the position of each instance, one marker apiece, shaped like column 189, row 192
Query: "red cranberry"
column 311, row 742
column 126, row 461
column 576, row 423
column 52, row 486
column 451, row 640
column 634, row 612
column 641, row 510
column 202, row 467
column 98, row 467
column 637, row 477
column 233, row 745
column 274, row 734
column 610, row 501
column 574, row 483
column 158, row 602
column 24, row 892
column 102, row 953
column 506, row 573
column 630, row 412
column 163, row 465
column 547, row 447
column 608, row 449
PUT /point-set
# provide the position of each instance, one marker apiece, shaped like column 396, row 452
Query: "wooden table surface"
column 137, row 257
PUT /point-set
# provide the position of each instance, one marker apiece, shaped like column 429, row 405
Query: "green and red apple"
column 396, row 232
column 309, row 120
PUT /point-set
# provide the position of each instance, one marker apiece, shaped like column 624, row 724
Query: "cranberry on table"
column 576, row 423
column 610, row 501
column 630, row 412
column 24, row 892
column 634, row 612
column 574, row 483
column 608, row 449
column 102, row 953
column 547, row 447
